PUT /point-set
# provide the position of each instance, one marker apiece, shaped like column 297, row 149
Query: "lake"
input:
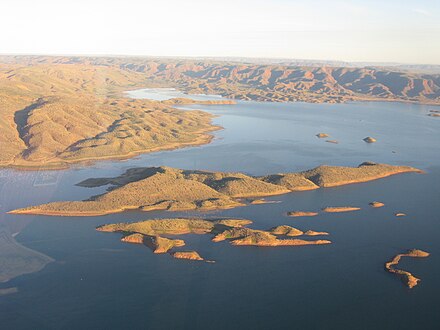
column 97, row 282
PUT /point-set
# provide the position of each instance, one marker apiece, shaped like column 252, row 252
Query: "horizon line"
column 356, row 62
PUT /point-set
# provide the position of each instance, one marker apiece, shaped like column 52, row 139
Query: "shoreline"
column 203, row 139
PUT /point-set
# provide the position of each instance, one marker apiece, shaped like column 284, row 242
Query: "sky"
column 404, row 31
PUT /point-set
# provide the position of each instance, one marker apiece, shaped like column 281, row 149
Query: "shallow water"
column 99, row 282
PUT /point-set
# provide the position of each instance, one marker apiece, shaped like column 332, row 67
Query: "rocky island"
column 340, row 209
column 165, row 188
column 188, row 255
column 301, row 214
column 409, row 279
column 232, row 230
column 376, row 204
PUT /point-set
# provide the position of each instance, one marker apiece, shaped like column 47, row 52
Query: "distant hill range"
column 55, row 111
column 251, row 79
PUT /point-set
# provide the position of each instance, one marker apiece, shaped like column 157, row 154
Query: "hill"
column 55, row 114
column 284, row 81
column 165, row 188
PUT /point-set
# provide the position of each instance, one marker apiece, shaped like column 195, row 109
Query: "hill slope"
column 165, row 188
column 57, row 114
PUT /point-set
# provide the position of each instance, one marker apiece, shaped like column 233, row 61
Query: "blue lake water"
column 97, row 282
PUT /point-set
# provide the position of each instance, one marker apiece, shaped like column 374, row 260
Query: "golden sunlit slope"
column 247, row 80
column 165, row 188
column 53, row 114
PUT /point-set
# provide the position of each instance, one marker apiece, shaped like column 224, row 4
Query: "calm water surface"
column 97, row 282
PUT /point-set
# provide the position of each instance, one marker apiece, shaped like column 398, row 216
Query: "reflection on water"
column 99, row 282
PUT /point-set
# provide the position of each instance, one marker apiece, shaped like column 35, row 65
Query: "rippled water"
column 99, row 282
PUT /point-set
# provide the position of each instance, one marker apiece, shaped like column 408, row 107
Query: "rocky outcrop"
column 338, row 209
column 322, row 135
column 301, row 214
column 161, row 244
column 286, row 230
column 376, row 204
column 315, row 233
column 292, row 181
column 370, row 139
column 156, row 243
column 135, row 238
column 188, row 255
column 246, row 236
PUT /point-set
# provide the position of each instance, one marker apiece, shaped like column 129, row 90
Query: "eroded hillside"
column 277, row 82
column 53, row 114
column 59, row 110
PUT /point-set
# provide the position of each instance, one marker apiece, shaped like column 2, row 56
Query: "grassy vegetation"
column 55, row 114
column 59, row 110
column 164, row 188
column 150, row 232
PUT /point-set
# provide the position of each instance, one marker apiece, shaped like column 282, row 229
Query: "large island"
column 165, row 188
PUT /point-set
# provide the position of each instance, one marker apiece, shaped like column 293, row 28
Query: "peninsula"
column 165, row 188
column 55, row 115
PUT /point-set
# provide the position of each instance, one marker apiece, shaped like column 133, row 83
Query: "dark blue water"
column 97, row 282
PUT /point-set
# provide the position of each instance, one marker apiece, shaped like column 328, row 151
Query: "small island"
column 339, row 209
column 152, row 233
column 370, row 139
column 376, row 204
column 322, row 135
column 409, row 279
column 165, row 188
column 302, row 214
column 188, row 255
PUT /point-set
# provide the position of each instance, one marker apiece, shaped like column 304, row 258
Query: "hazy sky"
column 359, row 30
